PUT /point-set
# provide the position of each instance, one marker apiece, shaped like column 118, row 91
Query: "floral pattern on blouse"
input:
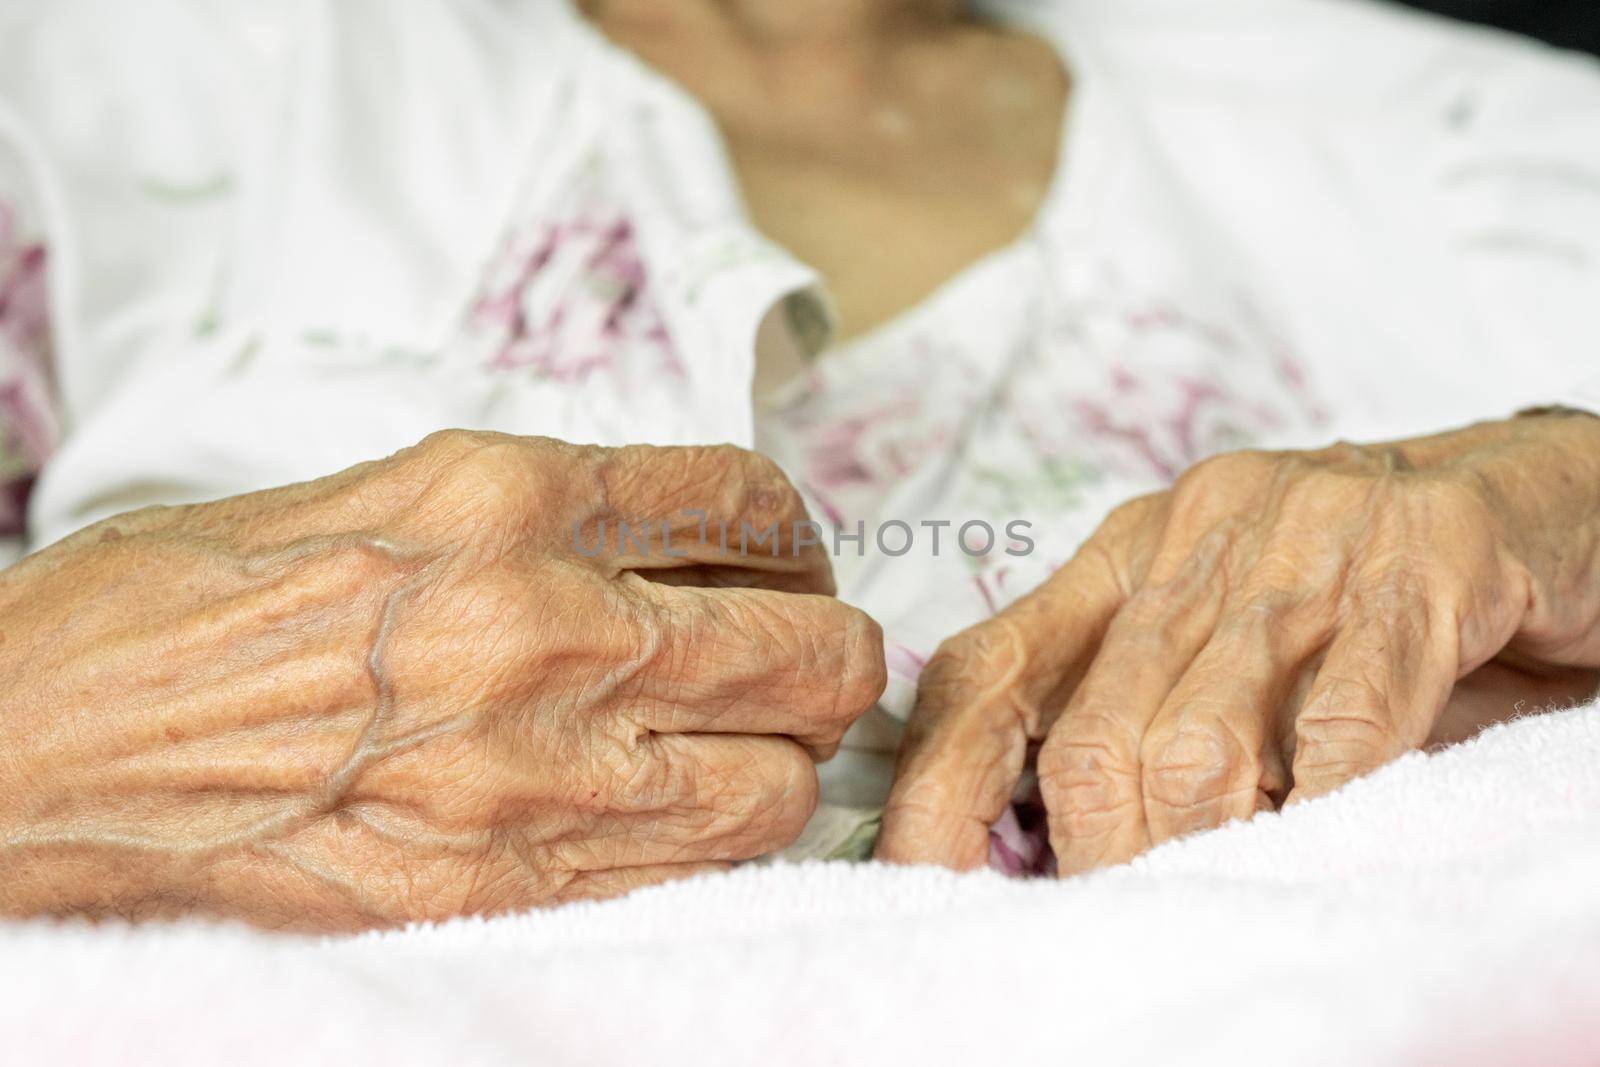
column 568, row 296
column 1115, row 391
column 28, row 426
column 1116, row 386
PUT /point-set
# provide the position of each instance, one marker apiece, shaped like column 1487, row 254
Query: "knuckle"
column 751, row 485
column 1435, row 524
column 1086, row 770
column 1196, row 765
column 1086, row 812
column 865, row 673
column 473, row 482
column 1263, row 599
column 640, row 632
column 1106, row 552
column 759, row 800
column 651, row 776
column 742, row 464
column 719, row 460
column 1336, row 723
column 1342, row 452
column 619, row 472
column 793, row 801
column 979, row 667
column 445, row 446
column 993, row 651
column 1406, row 599
column 1340, row 696
column 1118, row 546
column 1152, row 616
column 1129, row 515
column 649, row 644
column 723, row 480
column 1389, row 582
column 1221, row 487
column 1229, row 471
column 1291, row 562
column 1338, row 735
column 496, row 480
column 759, row 492
column 1268, row 617
column 1320, row 489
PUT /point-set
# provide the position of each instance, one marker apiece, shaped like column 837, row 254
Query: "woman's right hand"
column 403, row 692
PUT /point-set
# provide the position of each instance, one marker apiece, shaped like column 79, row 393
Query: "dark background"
column 1569, row 23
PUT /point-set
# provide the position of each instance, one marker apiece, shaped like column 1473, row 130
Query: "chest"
column 888, row 173
column 885, row 233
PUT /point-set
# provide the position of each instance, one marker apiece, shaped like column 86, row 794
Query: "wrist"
column 1538, row 475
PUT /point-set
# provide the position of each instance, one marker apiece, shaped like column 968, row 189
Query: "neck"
column 779, row 20
column 782, row 22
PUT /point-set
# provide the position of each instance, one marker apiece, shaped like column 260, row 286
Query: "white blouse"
column 245, row 244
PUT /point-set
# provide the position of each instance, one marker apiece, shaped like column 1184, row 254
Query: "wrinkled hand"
column 403, row 693
column 1273, row 626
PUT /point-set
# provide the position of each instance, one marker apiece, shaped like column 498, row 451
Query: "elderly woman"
column 968, row 275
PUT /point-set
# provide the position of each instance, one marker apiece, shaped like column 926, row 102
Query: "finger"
column 639, row 507
column 704, row 506
column 1089, row 765
column 1382, row 686
column 979, row 700
column 1211, row 753
column 687, row 798
column 619, row 881
column 754, row 661
column 713, row 576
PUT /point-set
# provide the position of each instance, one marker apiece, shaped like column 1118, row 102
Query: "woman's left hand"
column 1273, row 626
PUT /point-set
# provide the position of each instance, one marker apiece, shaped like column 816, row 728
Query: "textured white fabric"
column 1445, row 910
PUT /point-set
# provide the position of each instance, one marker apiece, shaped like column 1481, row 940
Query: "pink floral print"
column 569, row 296
column 28, row 427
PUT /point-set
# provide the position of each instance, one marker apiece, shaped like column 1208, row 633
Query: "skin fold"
column 401, row 692
column 1273, row 626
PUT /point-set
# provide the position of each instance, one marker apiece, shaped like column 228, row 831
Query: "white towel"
column 1444, row 910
